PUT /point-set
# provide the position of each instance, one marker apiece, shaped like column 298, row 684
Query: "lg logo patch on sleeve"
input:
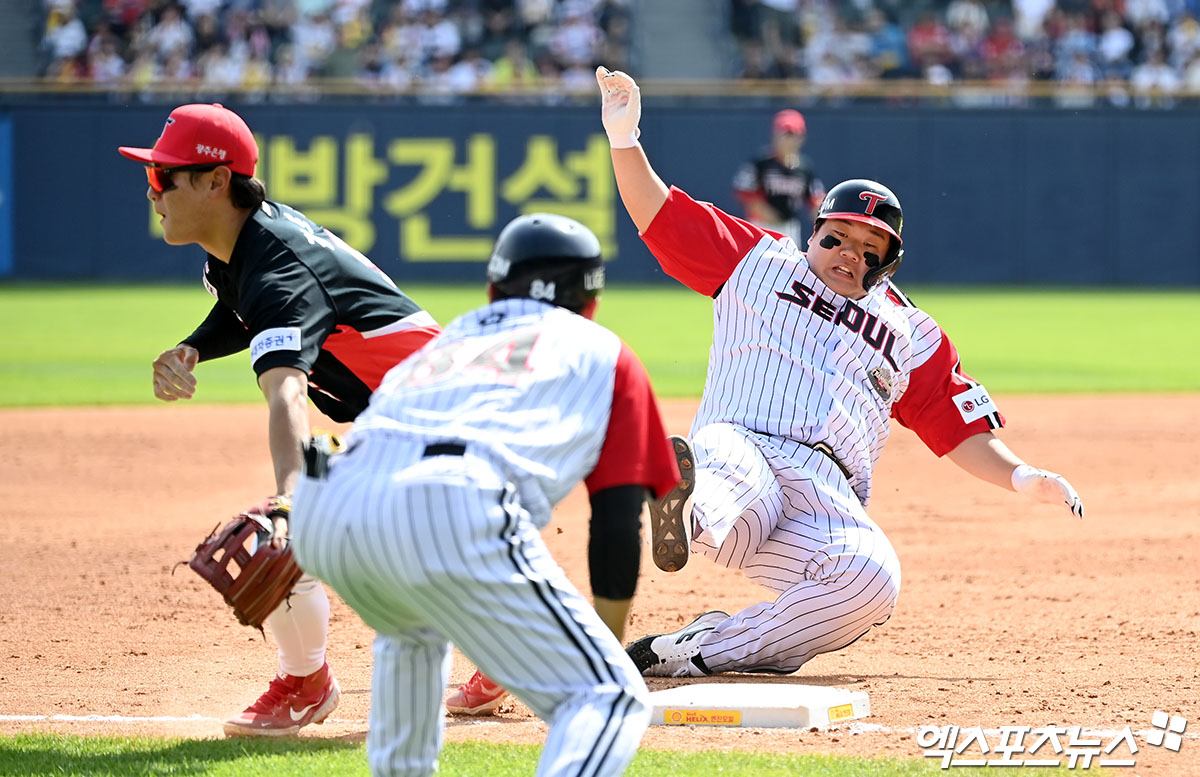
column 974, row 404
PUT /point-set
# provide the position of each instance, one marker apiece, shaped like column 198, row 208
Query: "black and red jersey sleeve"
column 636, row 450
column 943, row 404
column 286, row 302
column 697, row 243
column 220, row 334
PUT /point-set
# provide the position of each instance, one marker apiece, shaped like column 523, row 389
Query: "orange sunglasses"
column 160, row 178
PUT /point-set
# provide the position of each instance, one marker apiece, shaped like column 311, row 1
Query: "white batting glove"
column 621, row 109
column 1048, row 487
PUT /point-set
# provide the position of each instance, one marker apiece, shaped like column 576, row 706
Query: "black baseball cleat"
column 670, row 517
column 676, row 654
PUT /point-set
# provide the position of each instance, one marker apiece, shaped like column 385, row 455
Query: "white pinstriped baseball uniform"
column 429, row 528
column 792, row 365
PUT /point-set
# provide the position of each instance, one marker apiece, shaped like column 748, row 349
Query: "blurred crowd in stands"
column 1135, row 49
column 1143, row 47
column 442, row 46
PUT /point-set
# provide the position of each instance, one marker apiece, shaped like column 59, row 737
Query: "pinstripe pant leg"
column 508, row 606
column 737, row 501
column 336, row 524
column 406, row 721
column 444, row 546
column 836, row 572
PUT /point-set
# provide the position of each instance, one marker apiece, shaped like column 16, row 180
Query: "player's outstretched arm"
column 987, row 458
column 286, row 392
column 642, row 191
column 173, row 378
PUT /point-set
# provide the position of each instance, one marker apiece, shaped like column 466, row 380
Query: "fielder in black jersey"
column 344, row 321
column 778, row 189
column 317, row 318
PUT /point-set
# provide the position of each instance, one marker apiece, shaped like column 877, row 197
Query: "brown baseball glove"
column 253, row 572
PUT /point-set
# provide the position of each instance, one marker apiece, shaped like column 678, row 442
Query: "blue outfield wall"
column 1030, row 196
column 6, row 197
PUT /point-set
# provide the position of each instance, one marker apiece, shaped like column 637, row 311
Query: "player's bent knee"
column 886, row 598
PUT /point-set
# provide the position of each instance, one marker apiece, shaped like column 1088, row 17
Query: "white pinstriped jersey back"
column 437, row 543
column 549, row 432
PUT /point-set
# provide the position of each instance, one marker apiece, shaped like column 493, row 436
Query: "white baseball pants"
column 785, row 515
column 439, row 549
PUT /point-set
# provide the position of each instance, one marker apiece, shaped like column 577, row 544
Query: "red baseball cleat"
column 477, row 696
column 289, row 704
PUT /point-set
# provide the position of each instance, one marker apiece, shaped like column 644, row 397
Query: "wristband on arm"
column 624, row 139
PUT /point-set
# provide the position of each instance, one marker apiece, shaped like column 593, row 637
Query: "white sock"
column 300, row 626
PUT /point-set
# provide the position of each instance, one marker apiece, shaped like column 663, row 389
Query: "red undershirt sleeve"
column 943, row 404
column 697, row 243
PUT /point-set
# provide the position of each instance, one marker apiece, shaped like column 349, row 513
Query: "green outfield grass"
column 43, row 755
column 70, row 344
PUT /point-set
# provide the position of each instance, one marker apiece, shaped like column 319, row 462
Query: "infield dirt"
column 1011, row 613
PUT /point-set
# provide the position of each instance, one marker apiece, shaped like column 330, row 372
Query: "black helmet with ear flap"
column 869, row 202
column 547, row 257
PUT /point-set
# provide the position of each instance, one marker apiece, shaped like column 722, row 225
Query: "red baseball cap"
column 789, row 120
column 200, row 134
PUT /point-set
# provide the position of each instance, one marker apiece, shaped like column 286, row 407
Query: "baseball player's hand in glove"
column 173, row 378
column 277, row 510
column 622, row 107
column 252, row 576
column 1048, row 487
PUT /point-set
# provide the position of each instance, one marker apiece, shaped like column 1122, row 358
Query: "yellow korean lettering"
column 362, row 173
column 438, row 173
column 303, row 177
column 580, row 186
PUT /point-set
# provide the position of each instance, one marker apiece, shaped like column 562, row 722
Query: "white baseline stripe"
column 133, row 719
column 856, row 727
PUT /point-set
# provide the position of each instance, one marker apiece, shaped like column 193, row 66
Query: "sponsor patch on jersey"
column 283, row 338
column 882, row 380
column 974, row 404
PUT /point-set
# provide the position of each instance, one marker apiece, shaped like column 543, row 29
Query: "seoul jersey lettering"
column 866, row 325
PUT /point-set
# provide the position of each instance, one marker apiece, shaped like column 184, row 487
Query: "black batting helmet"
column 869, row 202
column 547, row 257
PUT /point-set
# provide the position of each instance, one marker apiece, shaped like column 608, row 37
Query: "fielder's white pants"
column 436, row 550
column 785, row 515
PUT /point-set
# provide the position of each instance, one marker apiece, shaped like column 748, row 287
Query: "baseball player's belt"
column 318, row 452
column 444, row 449
column 824, row 449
